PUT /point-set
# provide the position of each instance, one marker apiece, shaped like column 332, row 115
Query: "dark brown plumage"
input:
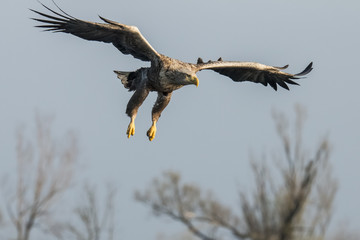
column 165, row 74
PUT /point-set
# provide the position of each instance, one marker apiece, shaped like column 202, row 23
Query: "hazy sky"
column 206, row 133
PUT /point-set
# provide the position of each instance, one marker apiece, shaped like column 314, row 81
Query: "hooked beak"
column 194, row 80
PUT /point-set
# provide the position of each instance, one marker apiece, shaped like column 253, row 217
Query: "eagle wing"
column 127, row 39
column 253, row 72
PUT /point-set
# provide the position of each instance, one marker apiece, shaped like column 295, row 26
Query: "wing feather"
column 254, row 72
column 127, row 39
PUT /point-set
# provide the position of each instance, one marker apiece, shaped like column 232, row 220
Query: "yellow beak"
column 192, row 80
column 195, row 81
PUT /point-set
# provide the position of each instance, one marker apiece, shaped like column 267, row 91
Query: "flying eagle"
column 165, row 74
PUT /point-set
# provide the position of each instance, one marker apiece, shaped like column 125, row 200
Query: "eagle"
column 165, row 74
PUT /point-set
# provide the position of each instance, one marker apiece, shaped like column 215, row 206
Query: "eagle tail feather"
column 125, row 78
column 133, row 80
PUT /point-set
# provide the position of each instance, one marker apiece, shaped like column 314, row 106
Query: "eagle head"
column 192, row 79
column 179, row 73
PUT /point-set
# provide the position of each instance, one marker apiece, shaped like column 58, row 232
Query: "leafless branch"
column 186, row 204
column 97, row 222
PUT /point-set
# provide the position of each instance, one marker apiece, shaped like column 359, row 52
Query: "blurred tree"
column 296, row 206
column 44, row 173
column 94, row 222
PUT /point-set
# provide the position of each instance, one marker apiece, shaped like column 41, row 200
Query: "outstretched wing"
column 127, row 39
column 253, row 72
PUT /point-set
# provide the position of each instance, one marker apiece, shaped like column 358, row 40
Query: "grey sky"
column 206, row 133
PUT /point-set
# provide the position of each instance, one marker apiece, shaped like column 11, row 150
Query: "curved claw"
column 131, row 129
column 151, row 132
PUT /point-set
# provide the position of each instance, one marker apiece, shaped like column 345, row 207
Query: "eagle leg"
column 133, row 106
column 162, row 101
column 152, row 131
column 131, row 128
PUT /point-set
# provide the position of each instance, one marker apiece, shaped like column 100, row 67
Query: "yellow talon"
column 151, row 132
column 131, row 129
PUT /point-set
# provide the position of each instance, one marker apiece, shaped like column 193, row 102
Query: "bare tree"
column 44, row 172
column 95, row 222
column 298, row 206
